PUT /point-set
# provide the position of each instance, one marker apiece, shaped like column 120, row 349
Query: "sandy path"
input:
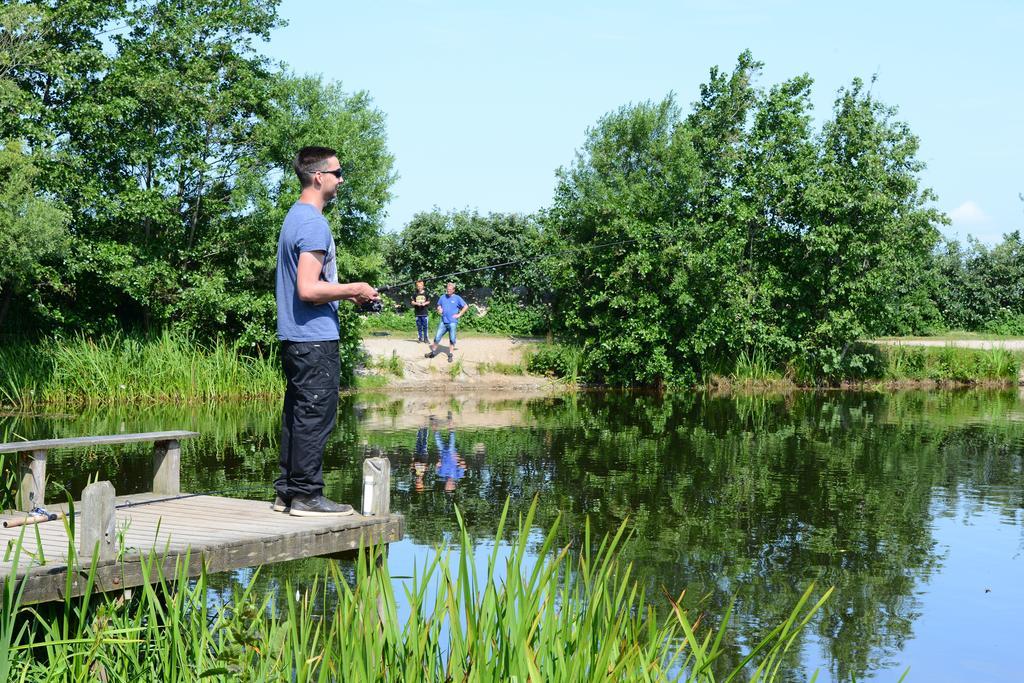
column 470, row 363
column 1008, row 344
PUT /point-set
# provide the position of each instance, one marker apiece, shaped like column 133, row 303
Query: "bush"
column 503, row 314
column 558, row 360
column 506, row 314
column 1006, row 323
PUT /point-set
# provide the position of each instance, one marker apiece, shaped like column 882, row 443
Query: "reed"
column 949, row 364
column 754, row 368
column 551, row 614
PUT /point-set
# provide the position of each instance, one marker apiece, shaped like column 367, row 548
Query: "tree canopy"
column 167, row 141
column 749, row 233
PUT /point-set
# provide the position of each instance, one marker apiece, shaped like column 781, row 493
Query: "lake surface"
column 909, row 504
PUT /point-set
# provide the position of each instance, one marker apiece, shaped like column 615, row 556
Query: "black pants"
column 310, row 411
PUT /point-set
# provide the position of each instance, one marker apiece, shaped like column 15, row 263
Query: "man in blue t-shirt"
column 450, row 307
column 450, row 465
column 308, row 292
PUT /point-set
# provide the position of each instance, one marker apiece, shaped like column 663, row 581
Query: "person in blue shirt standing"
column 450, row 465
column 450, row 307
column 307, row 293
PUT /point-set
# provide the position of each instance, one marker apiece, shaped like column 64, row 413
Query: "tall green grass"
column 390, row 365
column 117, row 369
column 754, row 367
column 876, row 363
column 554, row 614
column 564, row 361
column 499, row 368
column 948, row 364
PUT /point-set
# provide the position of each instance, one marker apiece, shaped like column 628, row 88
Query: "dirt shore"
column 472, row 367
column 472, row 370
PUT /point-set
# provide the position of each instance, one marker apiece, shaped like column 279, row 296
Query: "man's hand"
column 312, row 289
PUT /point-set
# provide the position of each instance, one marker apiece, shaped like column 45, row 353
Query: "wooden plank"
column 263, row 551
column 248, row 533
column 87, row 441
column 44, row 584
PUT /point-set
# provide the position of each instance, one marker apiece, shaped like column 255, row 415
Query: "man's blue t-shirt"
column 450, row 305
column 448, row 466
column 304, row 229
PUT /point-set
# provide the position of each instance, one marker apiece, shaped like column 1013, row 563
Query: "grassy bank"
column 173, row 368
column 547, row 615
column 957, row 335
column 946, row 364
column 169, row 368
column 881, row 366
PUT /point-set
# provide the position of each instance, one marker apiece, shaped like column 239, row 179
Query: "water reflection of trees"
column 745, row 498
column 750, row 498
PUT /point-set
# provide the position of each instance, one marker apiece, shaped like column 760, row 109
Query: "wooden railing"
column 32, row 463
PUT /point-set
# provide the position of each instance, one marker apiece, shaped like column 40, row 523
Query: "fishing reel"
column 372, row 307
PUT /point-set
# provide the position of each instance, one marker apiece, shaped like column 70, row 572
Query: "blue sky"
column 485, row 100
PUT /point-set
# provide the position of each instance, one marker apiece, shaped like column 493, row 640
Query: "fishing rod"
column 377, row 306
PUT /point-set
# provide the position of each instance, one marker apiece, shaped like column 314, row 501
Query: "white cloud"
column 968, row 213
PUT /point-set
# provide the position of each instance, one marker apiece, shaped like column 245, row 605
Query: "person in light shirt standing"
column 450, row 307
column 307, row 293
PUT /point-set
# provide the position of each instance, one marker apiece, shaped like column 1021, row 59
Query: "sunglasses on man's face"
column 336, row 173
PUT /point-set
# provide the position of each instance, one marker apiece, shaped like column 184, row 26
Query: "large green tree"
column 435, row 244
column 979, row 287
column 32, row 226
column 741, row 232
column 31, row 229
column 304, row 111
column 168, row 139
column 869, row 228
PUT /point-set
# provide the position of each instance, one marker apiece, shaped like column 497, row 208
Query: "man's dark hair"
column 309, row 160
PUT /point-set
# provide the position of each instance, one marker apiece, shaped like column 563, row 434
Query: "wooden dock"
column 223, row 533
column 124, row 533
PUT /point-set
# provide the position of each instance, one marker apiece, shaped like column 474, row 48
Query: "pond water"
column 909, row 504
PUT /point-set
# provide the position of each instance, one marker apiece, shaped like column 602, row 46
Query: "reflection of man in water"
column 450, row 465
column 419, row 458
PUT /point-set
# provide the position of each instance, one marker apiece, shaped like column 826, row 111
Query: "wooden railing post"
column 167, row 467
column 33, row 479
column 97, row 528
column 377, row 486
